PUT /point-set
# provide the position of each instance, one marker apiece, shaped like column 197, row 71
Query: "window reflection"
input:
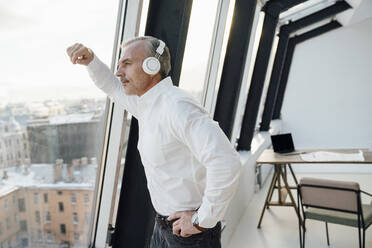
column 51, row 120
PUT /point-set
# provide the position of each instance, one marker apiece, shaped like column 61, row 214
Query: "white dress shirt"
column 188, row 160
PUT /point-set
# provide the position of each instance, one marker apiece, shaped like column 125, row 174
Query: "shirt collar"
column 154, row 91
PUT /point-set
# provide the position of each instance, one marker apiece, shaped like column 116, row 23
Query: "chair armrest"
column 366, row 193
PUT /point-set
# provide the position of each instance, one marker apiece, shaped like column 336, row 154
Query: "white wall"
column 328, row 101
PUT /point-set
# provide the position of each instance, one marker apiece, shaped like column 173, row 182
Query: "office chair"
column 331, row 201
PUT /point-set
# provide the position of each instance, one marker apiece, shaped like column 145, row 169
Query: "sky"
column 34, row 38
column 35, row 34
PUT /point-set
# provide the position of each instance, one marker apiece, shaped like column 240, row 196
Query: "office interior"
column 259, row 67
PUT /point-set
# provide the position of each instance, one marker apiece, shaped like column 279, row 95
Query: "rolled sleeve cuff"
column 94, row 65
column 206, row 219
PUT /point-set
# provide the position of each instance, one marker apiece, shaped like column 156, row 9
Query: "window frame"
column 127, row 26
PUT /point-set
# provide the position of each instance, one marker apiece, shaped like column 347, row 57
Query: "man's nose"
column 119, row 73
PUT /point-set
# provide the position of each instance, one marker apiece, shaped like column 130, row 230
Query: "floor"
column 279, row 227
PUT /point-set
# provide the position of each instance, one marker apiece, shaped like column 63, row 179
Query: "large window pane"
column 198, row 46
column 51, row 120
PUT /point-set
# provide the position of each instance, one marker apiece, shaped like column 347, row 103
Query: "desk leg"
column 269, row 195
column 273, row 188
column 279, row 170
column 294, row 176
column 291, row 196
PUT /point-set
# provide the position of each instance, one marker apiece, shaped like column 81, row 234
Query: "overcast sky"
column 36, row 33
column 34, row 37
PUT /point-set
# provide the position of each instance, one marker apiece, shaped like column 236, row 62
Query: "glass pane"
column 51, row 120
column 198, row 45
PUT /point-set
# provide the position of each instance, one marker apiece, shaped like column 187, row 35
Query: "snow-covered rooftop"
column 63, row 119
column 42, row 176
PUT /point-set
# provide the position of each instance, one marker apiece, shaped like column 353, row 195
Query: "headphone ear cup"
column 151, row 65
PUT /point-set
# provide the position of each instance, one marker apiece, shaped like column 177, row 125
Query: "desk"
column 282, row 162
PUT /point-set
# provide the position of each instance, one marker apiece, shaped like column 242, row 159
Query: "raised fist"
column 79, row 54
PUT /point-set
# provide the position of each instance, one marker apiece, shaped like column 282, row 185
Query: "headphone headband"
column 160, row 48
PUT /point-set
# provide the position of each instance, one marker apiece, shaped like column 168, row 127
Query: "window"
column 60, row 117
column 6, row 204
column 1, row 228
column 16, row 218
column 37, row 216
column 47, row 217
column 8, row 223
column 86, row 199
column 75, row 218
column 49, row 236
column 63, row 229
column 39, row 235
column 60, row 206
column 9, row 243
column 87, row 218
column 194, row 71
column 24, row 242
column 73, row 199
column 23, row 225
column 36, row 198
column 76, row 236
column 21, row 205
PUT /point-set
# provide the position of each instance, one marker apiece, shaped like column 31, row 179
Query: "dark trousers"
column 163, row 237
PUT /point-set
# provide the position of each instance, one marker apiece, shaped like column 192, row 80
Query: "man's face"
column 134, row 80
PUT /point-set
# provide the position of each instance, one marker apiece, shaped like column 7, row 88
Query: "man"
column 191, row 168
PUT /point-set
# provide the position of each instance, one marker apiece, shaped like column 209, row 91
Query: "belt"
column 163, row 220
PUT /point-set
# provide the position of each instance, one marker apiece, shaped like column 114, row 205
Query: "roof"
column 42, row 176
column 64, row 119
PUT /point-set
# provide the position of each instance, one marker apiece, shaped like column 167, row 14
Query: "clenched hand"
column 79, row 54
column 183, row 226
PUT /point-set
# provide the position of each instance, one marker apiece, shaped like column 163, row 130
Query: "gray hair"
column 152, row 44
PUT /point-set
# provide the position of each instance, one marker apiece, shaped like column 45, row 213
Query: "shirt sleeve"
column 210, row 146
column 104, row 79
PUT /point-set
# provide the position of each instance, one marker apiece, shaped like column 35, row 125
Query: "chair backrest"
column 340, row 195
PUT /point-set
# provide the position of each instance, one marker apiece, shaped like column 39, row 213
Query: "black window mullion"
column 274, row 81
column 284, row 78
column 258, row 77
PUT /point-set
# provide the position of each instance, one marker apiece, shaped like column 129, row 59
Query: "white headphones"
column 151, row 65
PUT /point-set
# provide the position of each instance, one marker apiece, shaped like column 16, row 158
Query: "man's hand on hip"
column 183, row 226
column 79, row 54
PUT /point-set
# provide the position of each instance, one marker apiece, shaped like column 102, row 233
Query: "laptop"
column 282, row 143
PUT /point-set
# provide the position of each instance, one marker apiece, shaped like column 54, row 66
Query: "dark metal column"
column 167, row 20
column 288, row 61
column 258, row 78
column 274, row 81
column 284, row 78
column 234, row 63
column 320, row 15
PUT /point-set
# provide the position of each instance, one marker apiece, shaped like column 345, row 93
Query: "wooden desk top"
column 270, row 157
